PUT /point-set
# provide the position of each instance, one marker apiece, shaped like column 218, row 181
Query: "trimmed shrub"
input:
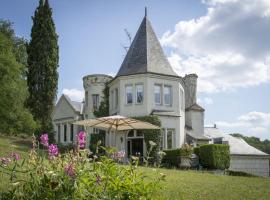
column 94, row 140
column 196, row 150
column 172, row 158
column 239, row 173
column 215, row 156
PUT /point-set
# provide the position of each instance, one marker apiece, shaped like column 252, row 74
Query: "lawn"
column 178, row 184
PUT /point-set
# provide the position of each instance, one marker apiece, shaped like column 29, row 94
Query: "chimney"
column 190, row 81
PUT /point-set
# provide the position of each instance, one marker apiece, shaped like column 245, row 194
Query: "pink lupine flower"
column 15, row 156
column 44, row 139
column 70, row 171
column 53, row 151
column 81, row 137
column 119, row 155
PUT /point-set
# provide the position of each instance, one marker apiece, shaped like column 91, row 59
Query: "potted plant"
column 185, row 156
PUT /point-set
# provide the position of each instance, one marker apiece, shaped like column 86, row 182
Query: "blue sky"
column 226, row 42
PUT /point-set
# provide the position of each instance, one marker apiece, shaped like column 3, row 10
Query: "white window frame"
column 165, row 138
column 136, row 92
column 167, row 86
column 160, row 98
column 126, row 98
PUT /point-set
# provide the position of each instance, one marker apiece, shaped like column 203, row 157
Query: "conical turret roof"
column 145, row 54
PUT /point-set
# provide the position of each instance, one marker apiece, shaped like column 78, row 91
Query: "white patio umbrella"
column 116, row 123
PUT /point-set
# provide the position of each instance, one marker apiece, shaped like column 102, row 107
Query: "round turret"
column 94, row 85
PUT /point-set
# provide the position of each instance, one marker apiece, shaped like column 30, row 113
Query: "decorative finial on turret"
column 145, row 12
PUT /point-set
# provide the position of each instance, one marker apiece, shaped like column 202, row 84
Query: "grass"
column 178, row 184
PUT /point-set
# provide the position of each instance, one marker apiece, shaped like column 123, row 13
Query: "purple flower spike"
column 16, row 156
column 44, row 139
column 53, row 151
column 70, row 171
column 81, row 137
column 5, row 161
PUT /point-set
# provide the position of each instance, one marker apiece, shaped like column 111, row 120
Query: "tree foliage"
column 104, row 106
column 14, row 116
column 42, row 76
column 255, row 142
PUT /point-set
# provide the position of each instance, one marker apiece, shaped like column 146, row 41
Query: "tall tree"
column 14, row 116
column 42, row 76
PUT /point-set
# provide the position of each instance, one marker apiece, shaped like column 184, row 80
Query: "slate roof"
column 195, row 106
column 77, row 106
column 145, row 54
column 237, row 145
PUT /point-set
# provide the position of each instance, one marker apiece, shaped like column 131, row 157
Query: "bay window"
column 167, row 95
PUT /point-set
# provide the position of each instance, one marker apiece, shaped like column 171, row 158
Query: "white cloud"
column 74, row 94
column 205, row 101
column 228, row 47
column 253, row 124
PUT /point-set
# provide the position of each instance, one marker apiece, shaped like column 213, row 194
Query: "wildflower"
column 53, row 150
column 5, row 161
column 70, row 171
column 15, row 156
column 98, row 180
column 81, row 137
column 44, row 139
column 152, row 143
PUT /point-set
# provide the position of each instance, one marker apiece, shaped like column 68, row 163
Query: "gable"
column 63, row 109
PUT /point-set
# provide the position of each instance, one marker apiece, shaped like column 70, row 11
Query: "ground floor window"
column 71, row 132
column 59, row 132
column 65, row 133
column 167, row 138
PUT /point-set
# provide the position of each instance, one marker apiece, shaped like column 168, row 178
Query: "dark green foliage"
column 42, row 76
column 94, row 141
column 14, row 116
column 151, row 135
column 103, row 110
column 66, row 148
column 172, row 158
column 238, row 173
column 196, row 150
column 215, row 156
column 255, row 142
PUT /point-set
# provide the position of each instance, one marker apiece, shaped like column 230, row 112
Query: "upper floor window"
column 167, row 95
column 139, row 93
column 129, row 98
column 116, row 98
column 157, row 91
column 95, row 98
column 86, row 98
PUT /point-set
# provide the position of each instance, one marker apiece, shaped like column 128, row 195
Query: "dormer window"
column 129, row 97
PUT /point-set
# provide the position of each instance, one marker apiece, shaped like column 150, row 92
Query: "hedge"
column 196, row 150
column 172, row 158
column 94, row 140
column 215, row 156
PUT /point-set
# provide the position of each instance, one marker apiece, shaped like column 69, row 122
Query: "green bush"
column 196, row 150
column 172, row 158
column 65, row 148
column 215, row 156
column 95, row 138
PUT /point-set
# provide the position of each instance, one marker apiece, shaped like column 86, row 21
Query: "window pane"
column 157, row 91
column 71, row 132
column 95, row 101
column 139, row 93
column 59, row 133
column 167, row 95
column 169, row 139
column 65, row 133
column 131, row 133
column 139, row 133
column 116, row 98
column 128, row 94
column 86, row 98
